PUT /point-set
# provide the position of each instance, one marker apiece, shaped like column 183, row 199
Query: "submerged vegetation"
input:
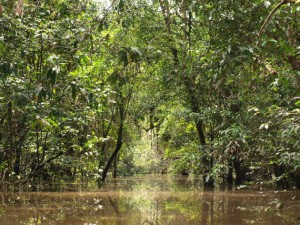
column 208, row 88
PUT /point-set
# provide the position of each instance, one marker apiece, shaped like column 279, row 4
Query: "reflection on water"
column 151, row 201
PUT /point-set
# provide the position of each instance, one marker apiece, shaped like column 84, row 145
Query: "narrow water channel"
column 151, row 201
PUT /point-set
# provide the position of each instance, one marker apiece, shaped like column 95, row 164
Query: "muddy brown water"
column 151, row 201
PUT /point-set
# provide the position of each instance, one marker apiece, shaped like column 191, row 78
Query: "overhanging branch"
column 277, row 7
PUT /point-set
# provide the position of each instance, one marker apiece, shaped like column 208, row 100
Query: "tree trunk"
column 297, row 179
column 115, row 166
column 282, row 181
column 17, row 161
column 240, row 174
column 230, row 175
column 207, row 162
column 116, row 151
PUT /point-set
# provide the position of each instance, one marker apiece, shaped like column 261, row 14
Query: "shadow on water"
column 150, row 201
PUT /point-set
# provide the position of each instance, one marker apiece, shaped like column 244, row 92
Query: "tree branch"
column 277, row 7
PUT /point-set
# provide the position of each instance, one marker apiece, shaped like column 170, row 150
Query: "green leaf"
column 250, row 49
column 40, row 93
column 52, row 122
column 229, row 48
column 135, row 54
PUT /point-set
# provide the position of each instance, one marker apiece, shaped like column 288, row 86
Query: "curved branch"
column 277, row 7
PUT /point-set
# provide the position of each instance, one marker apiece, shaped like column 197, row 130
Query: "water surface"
column 151, row 201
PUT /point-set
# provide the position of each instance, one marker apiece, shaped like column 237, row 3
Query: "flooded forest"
column 150, row 112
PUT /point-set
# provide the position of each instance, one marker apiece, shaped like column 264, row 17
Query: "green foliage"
column 196, row 86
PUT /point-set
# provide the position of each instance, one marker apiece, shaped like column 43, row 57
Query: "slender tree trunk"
column 240, row 173
column 105, row 132
column 297, row 178
column 208, row 181
column 279, row 171
column 17, row 161
column 116, row 151
column 115, row 167
column 11, row 137
column 230, row 175
column 164, row 5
